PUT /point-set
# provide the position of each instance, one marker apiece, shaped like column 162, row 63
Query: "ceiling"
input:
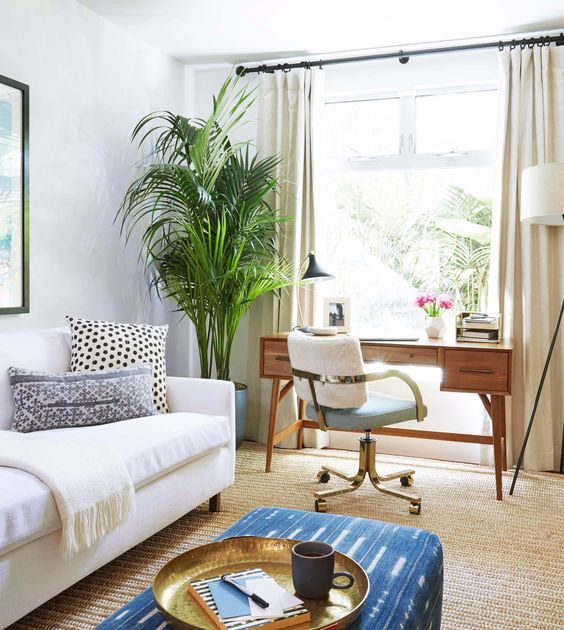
column 232, row 31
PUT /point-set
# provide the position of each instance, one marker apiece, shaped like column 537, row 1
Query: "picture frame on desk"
column 337, row 312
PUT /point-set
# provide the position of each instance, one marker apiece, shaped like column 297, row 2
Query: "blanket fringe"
column 83, row 529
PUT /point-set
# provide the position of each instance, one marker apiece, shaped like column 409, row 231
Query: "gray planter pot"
column 241, row 403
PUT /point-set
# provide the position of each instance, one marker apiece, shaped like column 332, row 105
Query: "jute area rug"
column 504, row 561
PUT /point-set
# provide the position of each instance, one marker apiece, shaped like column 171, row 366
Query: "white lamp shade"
column 542, row 194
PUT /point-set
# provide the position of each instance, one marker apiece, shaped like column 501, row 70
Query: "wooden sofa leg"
column 215, row 503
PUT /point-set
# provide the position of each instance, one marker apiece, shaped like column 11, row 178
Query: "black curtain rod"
column 403, row 57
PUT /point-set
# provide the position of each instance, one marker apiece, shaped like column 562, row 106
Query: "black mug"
column 313, row 565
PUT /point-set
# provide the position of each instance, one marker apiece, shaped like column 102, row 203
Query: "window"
column 363, row 128
column 456, row 122
column 407, row 204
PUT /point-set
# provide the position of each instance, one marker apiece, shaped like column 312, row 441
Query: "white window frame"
column 407, row 156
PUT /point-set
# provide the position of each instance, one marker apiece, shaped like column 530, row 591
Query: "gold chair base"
column 367, row 466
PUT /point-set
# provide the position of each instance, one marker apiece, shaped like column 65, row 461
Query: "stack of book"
column 228, row 607
column 479, row 327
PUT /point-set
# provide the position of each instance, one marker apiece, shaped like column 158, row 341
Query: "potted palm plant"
column 208, row 231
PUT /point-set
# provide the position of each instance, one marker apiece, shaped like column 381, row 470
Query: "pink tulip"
column 432, row 304
column 445, row 302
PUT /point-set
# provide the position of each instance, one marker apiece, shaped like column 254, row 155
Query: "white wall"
column 90, row 82
column 447, row 411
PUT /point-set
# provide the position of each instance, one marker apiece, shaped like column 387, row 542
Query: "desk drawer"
column 476, row 371
column 397, row 354
column 276, row 361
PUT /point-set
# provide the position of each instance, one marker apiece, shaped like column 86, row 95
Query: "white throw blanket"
column 91, row 485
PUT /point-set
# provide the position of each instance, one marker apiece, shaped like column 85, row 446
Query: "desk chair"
column 343, row 402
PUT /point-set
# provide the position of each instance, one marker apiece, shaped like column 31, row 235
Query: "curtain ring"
column 522, row 44
column 500, row 46
column 321, row 64
column 512, row 45
column 285, row 67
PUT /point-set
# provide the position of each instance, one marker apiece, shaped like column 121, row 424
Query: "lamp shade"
column 542, row 194
column 315, row 272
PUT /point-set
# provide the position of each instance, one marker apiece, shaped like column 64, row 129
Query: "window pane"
column 391, row 234
column 456, row 122
column 362, row 128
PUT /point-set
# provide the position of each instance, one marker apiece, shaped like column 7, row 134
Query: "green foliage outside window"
column 444, row 246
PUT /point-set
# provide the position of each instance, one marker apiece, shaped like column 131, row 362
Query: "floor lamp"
column 542, row 203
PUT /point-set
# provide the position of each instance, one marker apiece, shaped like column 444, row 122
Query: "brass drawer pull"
column 281, row 358
column 477, row 370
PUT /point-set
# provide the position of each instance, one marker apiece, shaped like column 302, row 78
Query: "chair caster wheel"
column 415, row 508
column 406, row 482
column 320, row 505
column 323, row 476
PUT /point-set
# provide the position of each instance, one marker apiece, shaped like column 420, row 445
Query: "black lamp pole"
column 536, row 404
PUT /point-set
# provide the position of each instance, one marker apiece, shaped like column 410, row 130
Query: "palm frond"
column 200, row 208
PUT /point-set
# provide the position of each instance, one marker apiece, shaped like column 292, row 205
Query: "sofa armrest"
column 202, row 395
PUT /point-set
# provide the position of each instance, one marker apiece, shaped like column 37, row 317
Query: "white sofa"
column 176, row 462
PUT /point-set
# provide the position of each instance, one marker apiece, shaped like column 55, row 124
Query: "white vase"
column 435, row 327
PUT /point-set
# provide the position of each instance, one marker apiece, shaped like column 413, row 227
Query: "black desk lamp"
column 542, row 203
column 314, row 273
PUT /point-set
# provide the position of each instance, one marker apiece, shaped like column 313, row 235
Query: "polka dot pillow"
column 99, row 345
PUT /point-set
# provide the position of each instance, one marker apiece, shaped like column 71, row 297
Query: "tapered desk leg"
column 274, row 403
column 503, row 433
column 301, row 416
column 498, row 413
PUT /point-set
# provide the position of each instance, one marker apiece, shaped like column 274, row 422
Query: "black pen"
column 258, row 600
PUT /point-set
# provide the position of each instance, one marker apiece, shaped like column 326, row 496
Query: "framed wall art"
column 14, row 196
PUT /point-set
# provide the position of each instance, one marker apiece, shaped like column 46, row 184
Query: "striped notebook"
column 200, row 590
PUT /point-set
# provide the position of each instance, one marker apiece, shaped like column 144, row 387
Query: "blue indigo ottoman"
column 404, row 565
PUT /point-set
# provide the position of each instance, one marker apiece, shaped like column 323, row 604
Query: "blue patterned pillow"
column 78, row 399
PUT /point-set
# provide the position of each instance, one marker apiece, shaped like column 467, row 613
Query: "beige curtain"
column 290, row 110
column 527, row 279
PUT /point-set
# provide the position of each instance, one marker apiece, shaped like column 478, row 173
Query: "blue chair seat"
column 378, row 411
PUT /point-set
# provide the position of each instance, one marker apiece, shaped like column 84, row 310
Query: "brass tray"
column 273, row 555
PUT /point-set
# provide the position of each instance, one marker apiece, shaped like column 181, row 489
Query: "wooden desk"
column 479, row 368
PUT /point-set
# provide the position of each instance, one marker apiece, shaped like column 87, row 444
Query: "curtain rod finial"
column 240, row 71
column 403, row 59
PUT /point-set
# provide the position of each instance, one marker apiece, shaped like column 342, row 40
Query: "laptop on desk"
column 386, row 334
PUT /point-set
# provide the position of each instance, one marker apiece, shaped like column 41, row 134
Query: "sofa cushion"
column 150, row 446
column 43, row 350
column 100, row 345
column 45, row 400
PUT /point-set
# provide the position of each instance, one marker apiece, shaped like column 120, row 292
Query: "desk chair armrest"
column 363, row 378
column 419, row 407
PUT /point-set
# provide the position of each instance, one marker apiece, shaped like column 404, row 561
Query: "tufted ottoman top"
column 404, row 565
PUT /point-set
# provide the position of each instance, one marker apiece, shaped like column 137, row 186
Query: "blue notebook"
column 229, row 601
